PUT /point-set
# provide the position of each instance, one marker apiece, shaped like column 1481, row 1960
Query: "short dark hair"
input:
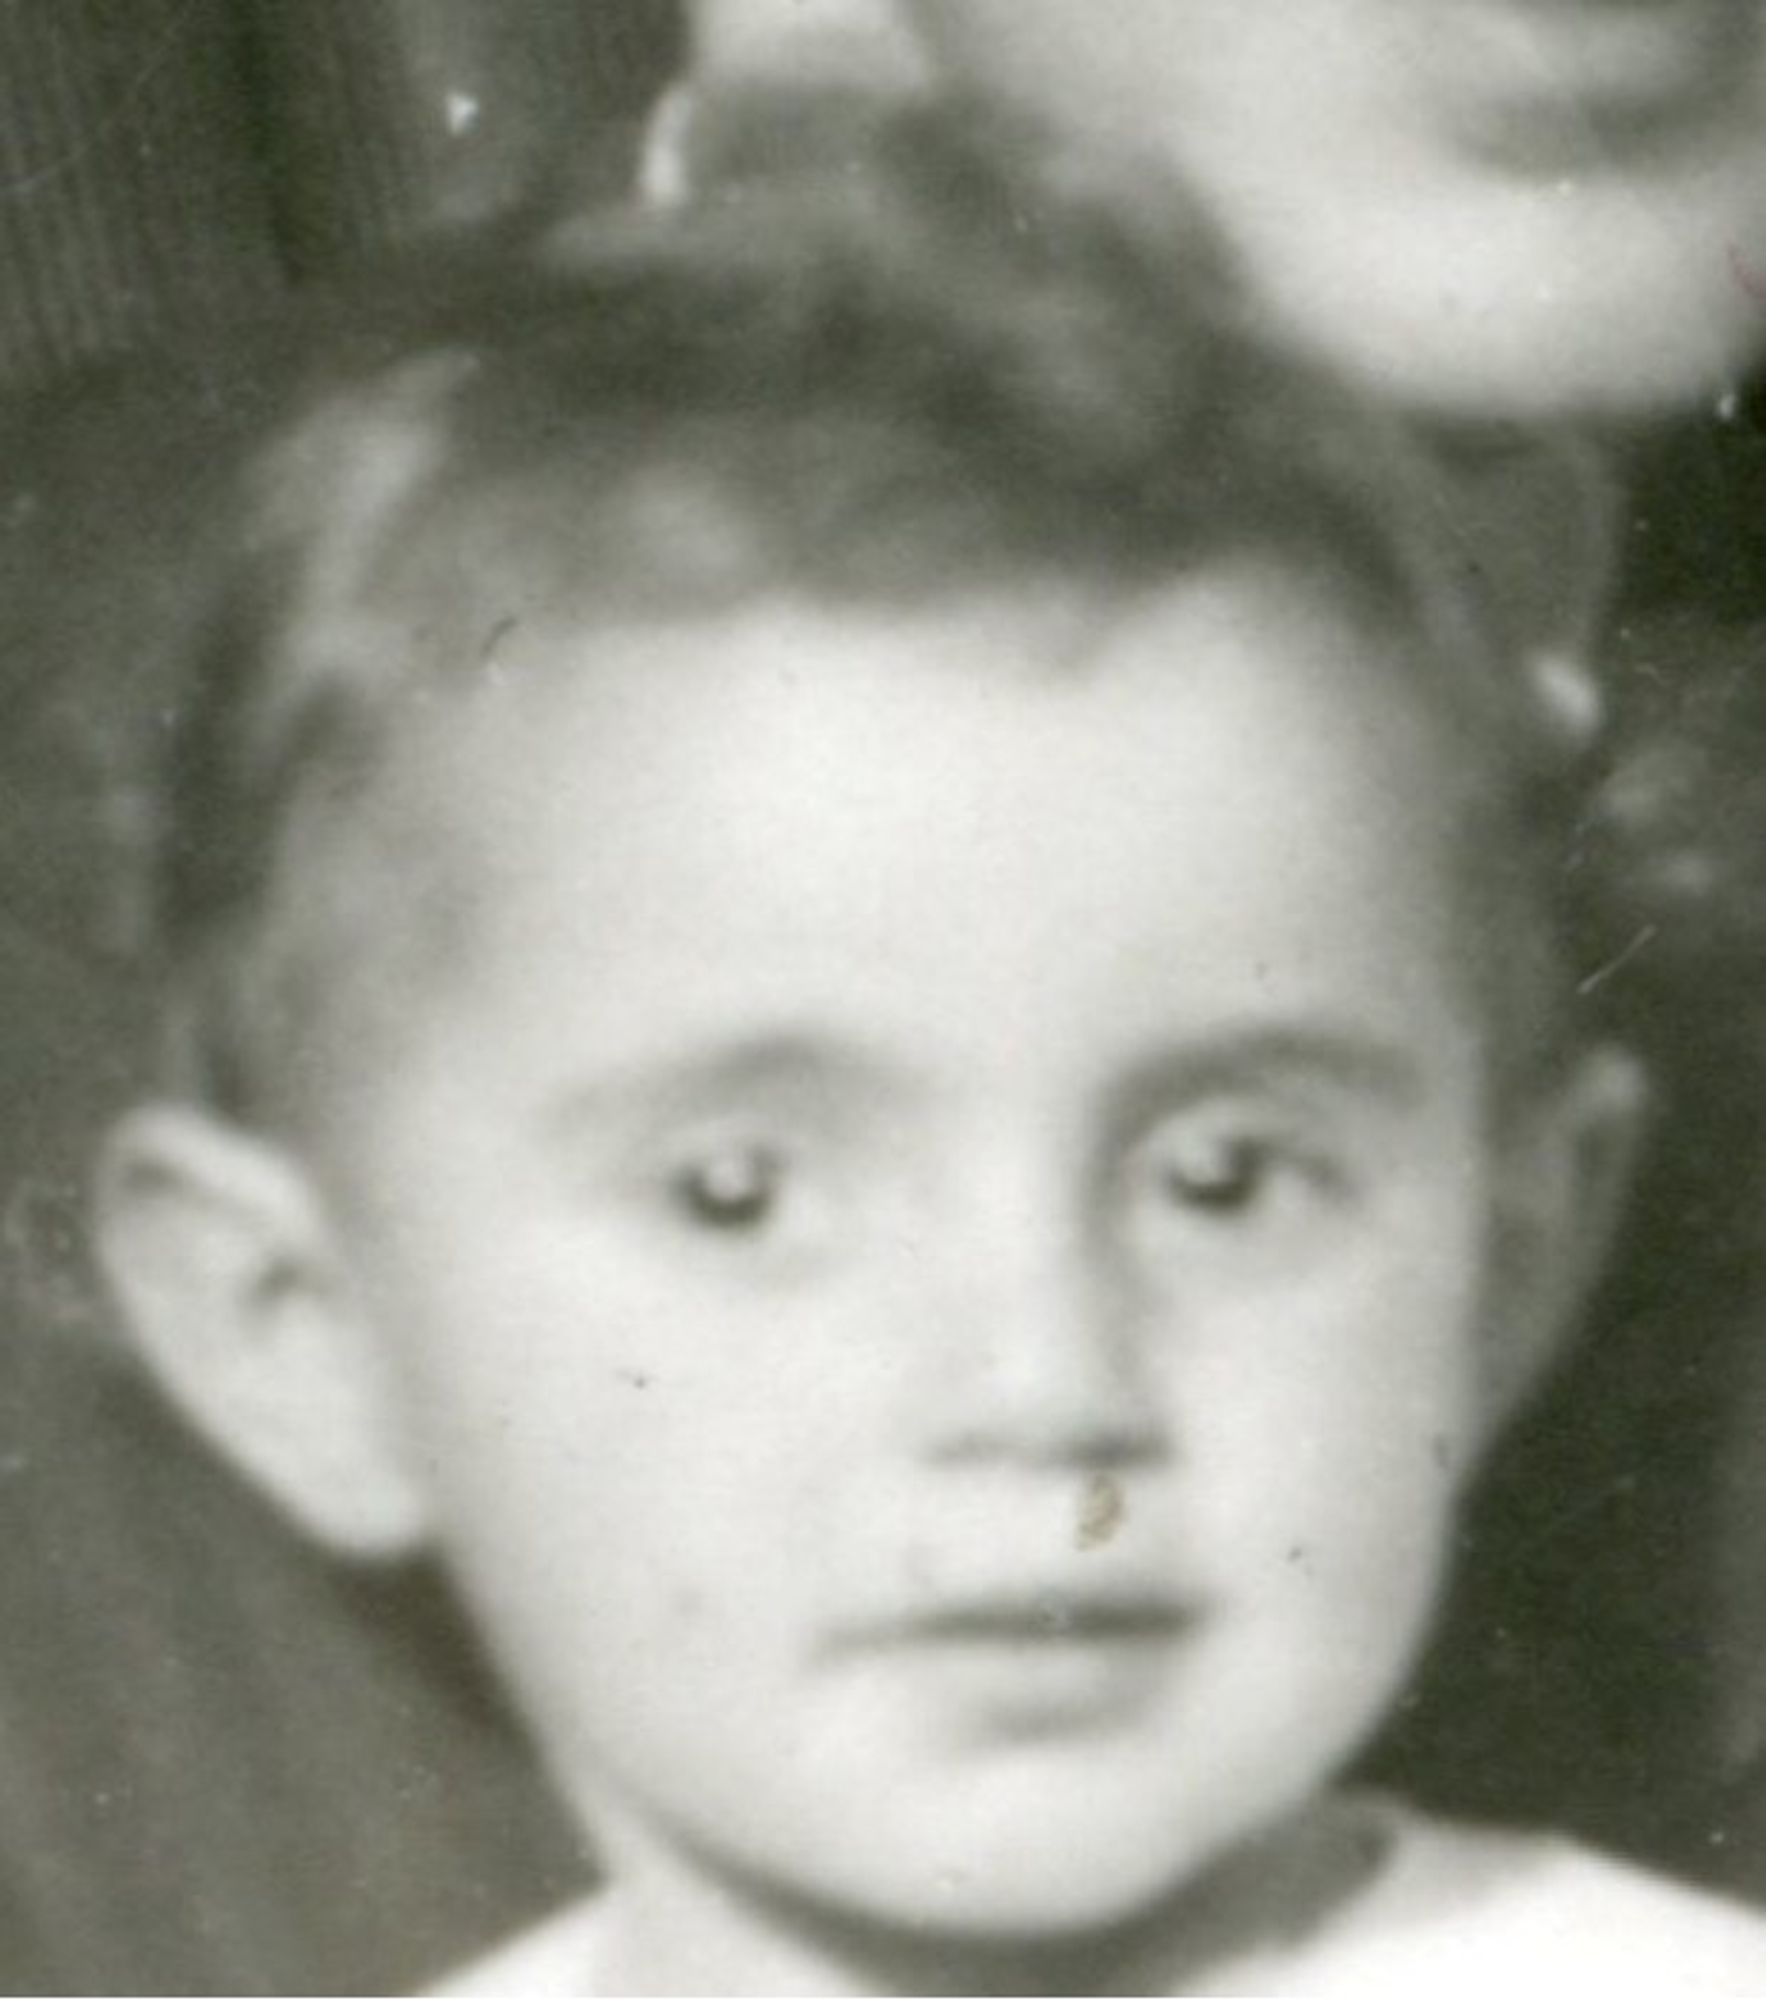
column 946, row 355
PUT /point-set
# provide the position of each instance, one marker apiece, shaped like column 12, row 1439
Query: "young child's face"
column 1484, row 204
column 932, row 1243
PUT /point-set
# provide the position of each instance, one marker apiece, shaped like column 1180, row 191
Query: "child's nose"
column 1050, row 1360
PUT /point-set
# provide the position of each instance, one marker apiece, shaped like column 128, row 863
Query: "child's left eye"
column 1228, row 1170
column 1222, row 1173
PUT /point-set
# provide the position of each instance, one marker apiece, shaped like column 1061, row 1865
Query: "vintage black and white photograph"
column 883, row 997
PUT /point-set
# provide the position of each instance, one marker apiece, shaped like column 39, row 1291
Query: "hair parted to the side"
column 944, row 354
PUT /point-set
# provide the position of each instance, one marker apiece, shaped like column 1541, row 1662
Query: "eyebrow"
column 1347, row 1060
column 781, row 1061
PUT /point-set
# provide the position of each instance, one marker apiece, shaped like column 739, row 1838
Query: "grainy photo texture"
column 884, row 955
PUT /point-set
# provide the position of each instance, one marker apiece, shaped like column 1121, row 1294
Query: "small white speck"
column 1728, row 407
column 462, row 112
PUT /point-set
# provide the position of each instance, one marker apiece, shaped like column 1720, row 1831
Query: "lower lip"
column 1040, row 1683
column 1565, row 83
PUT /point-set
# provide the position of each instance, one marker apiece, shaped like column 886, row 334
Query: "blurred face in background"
column 1485, row 206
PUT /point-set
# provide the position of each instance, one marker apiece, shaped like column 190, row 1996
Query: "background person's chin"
column 1538, row 302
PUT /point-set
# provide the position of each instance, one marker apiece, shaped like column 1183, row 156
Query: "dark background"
column 224, row 1766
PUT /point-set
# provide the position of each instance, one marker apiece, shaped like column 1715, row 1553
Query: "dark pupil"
column 1219, row 1175
column 736, row 1191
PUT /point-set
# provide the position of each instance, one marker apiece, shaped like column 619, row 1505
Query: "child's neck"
column 670, row 1927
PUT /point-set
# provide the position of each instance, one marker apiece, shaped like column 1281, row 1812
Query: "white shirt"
column 1450, row 1910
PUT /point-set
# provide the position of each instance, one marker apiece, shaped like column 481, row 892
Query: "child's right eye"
column 732, row 1190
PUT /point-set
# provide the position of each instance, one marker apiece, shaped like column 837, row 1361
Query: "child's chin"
column 1040, row 1881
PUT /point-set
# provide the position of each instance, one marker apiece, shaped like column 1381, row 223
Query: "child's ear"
column 220, row 1256
column 1565, row 1170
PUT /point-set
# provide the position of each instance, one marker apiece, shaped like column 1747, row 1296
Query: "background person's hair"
column 883, row 356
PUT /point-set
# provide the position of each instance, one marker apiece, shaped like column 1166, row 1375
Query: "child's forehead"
column 609, row 679
column 501, row 589
column 750, row 813
column 532, row 666
column 789, row 771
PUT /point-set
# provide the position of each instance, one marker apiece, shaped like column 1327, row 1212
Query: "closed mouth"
column 1034, row 1621
column 1046, row 1667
